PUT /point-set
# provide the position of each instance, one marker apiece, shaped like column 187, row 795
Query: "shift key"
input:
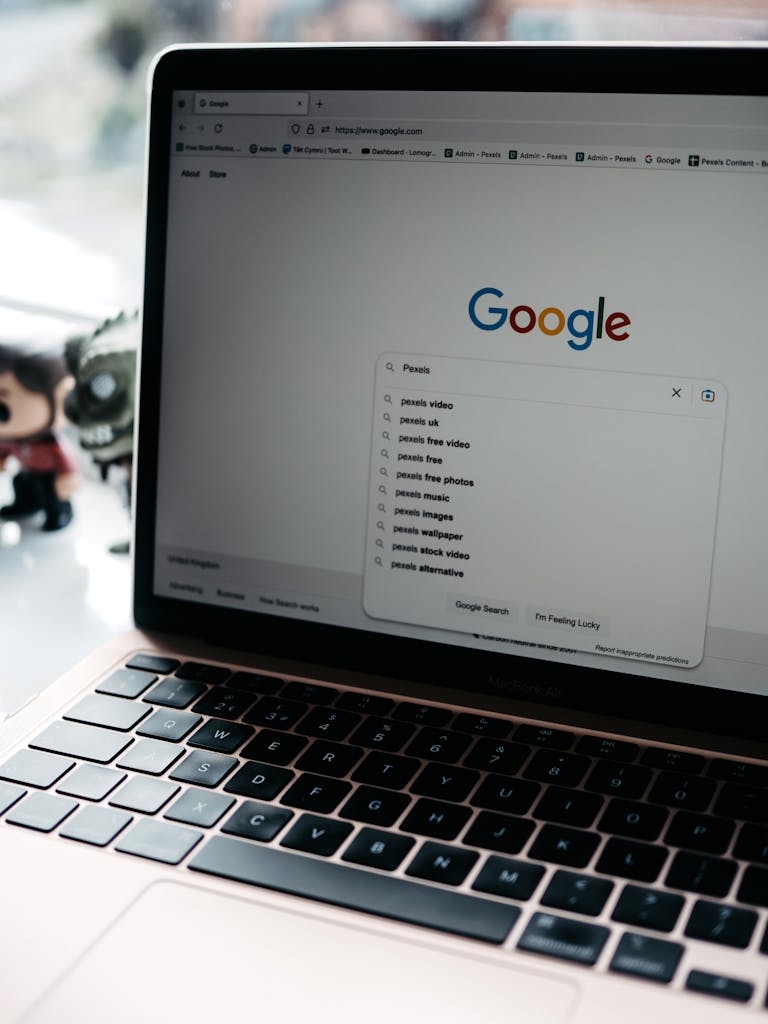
column 87, row 741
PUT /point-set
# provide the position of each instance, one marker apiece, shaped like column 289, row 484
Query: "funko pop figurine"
column 34, row 381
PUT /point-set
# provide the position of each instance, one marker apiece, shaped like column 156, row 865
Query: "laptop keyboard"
column 585, row 848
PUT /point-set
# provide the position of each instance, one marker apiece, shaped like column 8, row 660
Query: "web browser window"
column 478, row 368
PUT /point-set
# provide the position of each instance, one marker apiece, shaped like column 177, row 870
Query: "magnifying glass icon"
column 380, row 507
column 390, row 366
column 383, row 471
column 384, row 453
column 379, row 525
column 382, row 489
column 387, row 417
column 379, row 543
column 378, row 561
column 388, row 398
column 385, row 435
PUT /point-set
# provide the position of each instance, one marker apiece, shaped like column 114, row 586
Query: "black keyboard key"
column 97, row 826
column 542, row 736
column 310, row 693
column 382, row 734
column 389, row 770
column 169, row 724
column 564, row 938
column 110, row 712
column 439, row 745
column 752, row 844
column 512, row 879
column 634, row 820
column 422, row 714
column 673, row 760
column 581, row 894
column 445, row 782
column 316, row 793
column 739, row 771
column 254, row 682
column 274, row 747
column 373, row 893
column 640, row 862
column 328, row 723
column 719, row 985
column 220, row 735
column 480, row 725
column 126, row 682
column 648, row 908
column 40, row 811
column 499, row 832
column 159, row 840
column 716, row 922
column 552, row 766
column 435, row 819
column 202, row 768
column 754, row 886
column 365, row 703
column 322, row 836
column 89, row 742
column 568, row 807
column 710, row 876
column 35, row 768
column 614, row 779
column 748, row 803
column 700, row 832
column 691, row 792
column 382, row 850
column 201, row 672
column 9, row 795
column 606, row 746
column 560, row 845
column 261, row 822
column 153, row 757
column 90, row 782
column 445, row 864
column 275, row 713
column 375, row 806
column 224, row 702
column 494, row 756
column 153, row 663
column 143, row 794
column 259, row 781
column 175, row 693
column 334, row 759
column 513, row 796
column 644, row 957
column 199, row 807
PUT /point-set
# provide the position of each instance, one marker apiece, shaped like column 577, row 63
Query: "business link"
column 359, row 129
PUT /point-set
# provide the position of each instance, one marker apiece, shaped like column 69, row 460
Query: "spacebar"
column 356, row 890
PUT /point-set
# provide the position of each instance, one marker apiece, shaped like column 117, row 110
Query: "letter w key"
column 224, row 737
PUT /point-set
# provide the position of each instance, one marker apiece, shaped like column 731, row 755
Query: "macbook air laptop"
column 447, row 697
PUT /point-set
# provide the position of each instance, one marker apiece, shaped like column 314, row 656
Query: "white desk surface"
column 61, row 593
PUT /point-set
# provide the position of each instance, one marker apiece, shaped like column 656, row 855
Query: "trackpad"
column 181, row 953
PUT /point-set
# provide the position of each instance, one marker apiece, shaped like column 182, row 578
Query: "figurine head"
column 101, row 402
column 34, row 381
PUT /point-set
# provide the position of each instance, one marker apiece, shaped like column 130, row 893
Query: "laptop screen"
column 483, row 369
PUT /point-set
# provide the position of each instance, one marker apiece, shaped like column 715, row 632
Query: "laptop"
column 447, row 694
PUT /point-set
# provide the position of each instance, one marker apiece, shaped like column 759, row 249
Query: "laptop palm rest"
column 181, row 953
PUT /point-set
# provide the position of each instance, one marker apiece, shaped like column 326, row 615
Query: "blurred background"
column 72, row 123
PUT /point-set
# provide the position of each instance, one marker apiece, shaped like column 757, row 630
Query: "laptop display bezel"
column 695, row 70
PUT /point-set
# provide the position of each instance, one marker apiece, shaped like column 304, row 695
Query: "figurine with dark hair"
column 34, row 381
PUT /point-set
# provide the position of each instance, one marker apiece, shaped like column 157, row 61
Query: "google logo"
column 583, row 324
